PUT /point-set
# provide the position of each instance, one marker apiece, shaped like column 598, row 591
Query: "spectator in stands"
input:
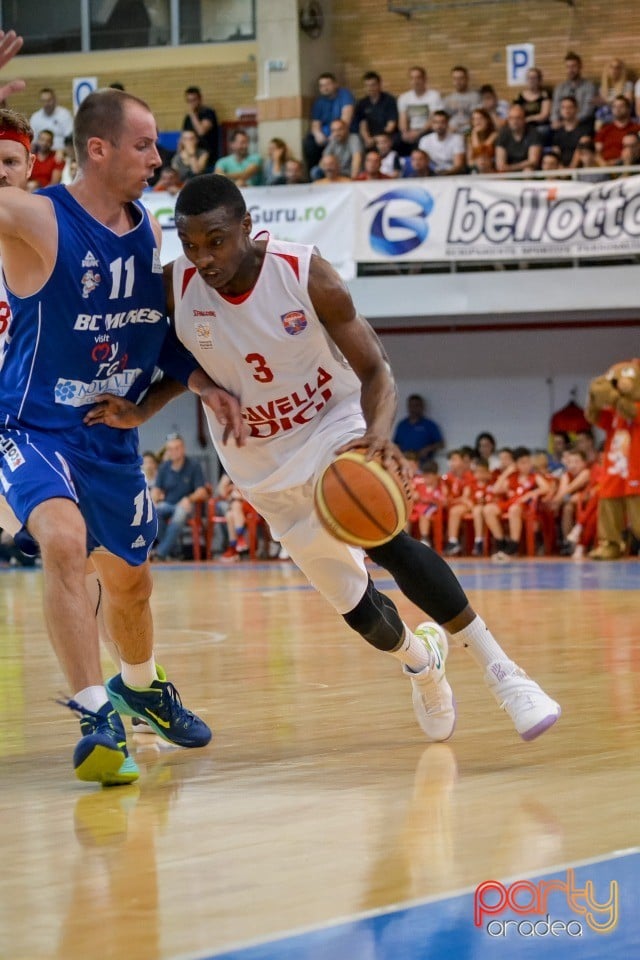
column 390, row 162
column 70, row 162
column 497, row 109
column 376, row 112
column 585, row 157
column 518, row 147
column 244, row 168
column 560, row 443
column 150, row 465
column 415, row 107
column 551, row 160
column 569, row 131
column 428, row 497
column 294, row 172
column 456, row 483
column 372, row 167
column 481, row 494
column 416, row 434
column 609, row 137
column 275, row 165
column 564, row 501
column 630, row 153
column 485, row 449
column 333, row 103
column 48, row 165
column 445, row 148
column 516, row 487
column 179, row 486
column 460, row 103
column 189, row 159
column 330, row 171
column 202, row 120
column 236, row 525
column 346, row 147
column 586, row 444
column 576, row 86
column 481, row 140
column 616, row 82
column 535, row 100
column 417, row 164
column 51, row 116
column 168, row 182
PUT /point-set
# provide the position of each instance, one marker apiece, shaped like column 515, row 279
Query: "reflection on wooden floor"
column 318, row 798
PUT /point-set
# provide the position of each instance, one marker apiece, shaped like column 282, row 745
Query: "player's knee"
column 376, row 619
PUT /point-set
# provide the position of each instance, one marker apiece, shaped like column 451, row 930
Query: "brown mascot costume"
column 614, row 406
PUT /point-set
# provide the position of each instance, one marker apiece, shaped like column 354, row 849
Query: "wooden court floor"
column 318, row 798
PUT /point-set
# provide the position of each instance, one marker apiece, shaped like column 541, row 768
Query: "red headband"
column 6, row 133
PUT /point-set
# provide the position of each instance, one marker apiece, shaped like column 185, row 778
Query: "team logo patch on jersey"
column 156, row 266
column 203, row 333
column 89, row 260
column 90, row 281
column 294, row 322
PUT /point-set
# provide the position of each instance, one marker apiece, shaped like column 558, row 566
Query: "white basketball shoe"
column 433, row 701
column 531, row 710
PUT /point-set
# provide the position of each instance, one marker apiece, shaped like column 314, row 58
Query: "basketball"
column 360, row 502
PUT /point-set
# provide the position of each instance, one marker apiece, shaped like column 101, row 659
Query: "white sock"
column 140, row 676
column 412, row 652
column 480, row 642
column 92, row 698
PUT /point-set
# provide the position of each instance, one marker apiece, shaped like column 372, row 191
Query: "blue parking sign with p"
column 520, row 58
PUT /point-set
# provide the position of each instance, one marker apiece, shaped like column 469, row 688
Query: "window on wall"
column 66, row 25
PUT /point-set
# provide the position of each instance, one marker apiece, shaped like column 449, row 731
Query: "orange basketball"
column 360, row 502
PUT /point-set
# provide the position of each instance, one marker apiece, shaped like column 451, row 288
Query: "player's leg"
column 454, row 521
column 431, row 585
column 42, row 495
column 338, row 572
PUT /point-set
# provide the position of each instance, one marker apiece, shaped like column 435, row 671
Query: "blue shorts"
column 113, row 497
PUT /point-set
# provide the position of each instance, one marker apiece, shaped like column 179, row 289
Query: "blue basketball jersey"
column 97, row 326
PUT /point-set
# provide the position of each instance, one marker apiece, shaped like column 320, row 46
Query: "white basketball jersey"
column 270, row 350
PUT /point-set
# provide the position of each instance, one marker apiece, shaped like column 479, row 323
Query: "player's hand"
column 114, row 412
column 227, row 412
column 381, row 446
column 10, row 44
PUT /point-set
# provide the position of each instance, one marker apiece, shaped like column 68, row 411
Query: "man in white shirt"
column 52, row 117
column 415, row 108
column 445, row 149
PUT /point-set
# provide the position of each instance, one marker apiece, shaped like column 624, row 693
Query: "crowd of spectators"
column 578, row 125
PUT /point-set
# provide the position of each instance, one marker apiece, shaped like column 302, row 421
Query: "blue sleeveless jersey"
column 97, row 326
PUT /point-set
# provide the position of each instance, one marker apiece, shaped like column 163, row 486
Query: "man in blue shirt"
column 417, row 434
column 179, row 485
column 334, row 103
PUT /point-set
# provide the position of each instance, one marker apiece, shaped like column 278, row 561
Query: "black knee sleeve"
column 377, row 620
column 423, row 576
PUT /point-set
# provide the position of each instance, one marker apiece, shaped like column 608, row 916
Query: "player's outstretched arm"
column 10, row 45
column 359, row 344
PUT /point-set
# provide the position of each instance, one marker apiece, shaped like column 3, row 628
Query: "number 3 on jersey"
column 261, row 372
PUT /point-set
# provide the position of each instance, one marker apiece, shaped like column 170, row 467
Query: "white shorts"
column 336, row 570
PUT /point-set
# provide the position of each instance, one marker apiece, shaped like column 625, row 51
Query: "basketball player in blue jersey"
column 281, row 332
column 84, row 283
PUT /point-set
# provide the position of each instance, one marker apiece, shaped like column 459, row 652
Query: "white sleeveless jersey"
column 269, row 349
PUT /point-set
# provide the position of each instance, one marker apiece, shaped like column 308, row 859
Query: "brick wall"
column 366, row 36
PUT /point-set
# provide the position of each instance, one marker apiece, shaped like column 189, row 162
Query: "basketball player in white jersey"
column 273, row 324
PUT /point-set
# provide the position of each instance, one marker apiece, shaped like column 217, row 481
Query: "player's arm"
column 28, row 240
column 361, row 348
column 10, row 45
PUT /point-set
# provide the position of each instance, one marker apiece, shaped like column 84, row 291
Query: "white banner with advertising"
column 472, row 218
column 302, row 214
column 439, row 219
